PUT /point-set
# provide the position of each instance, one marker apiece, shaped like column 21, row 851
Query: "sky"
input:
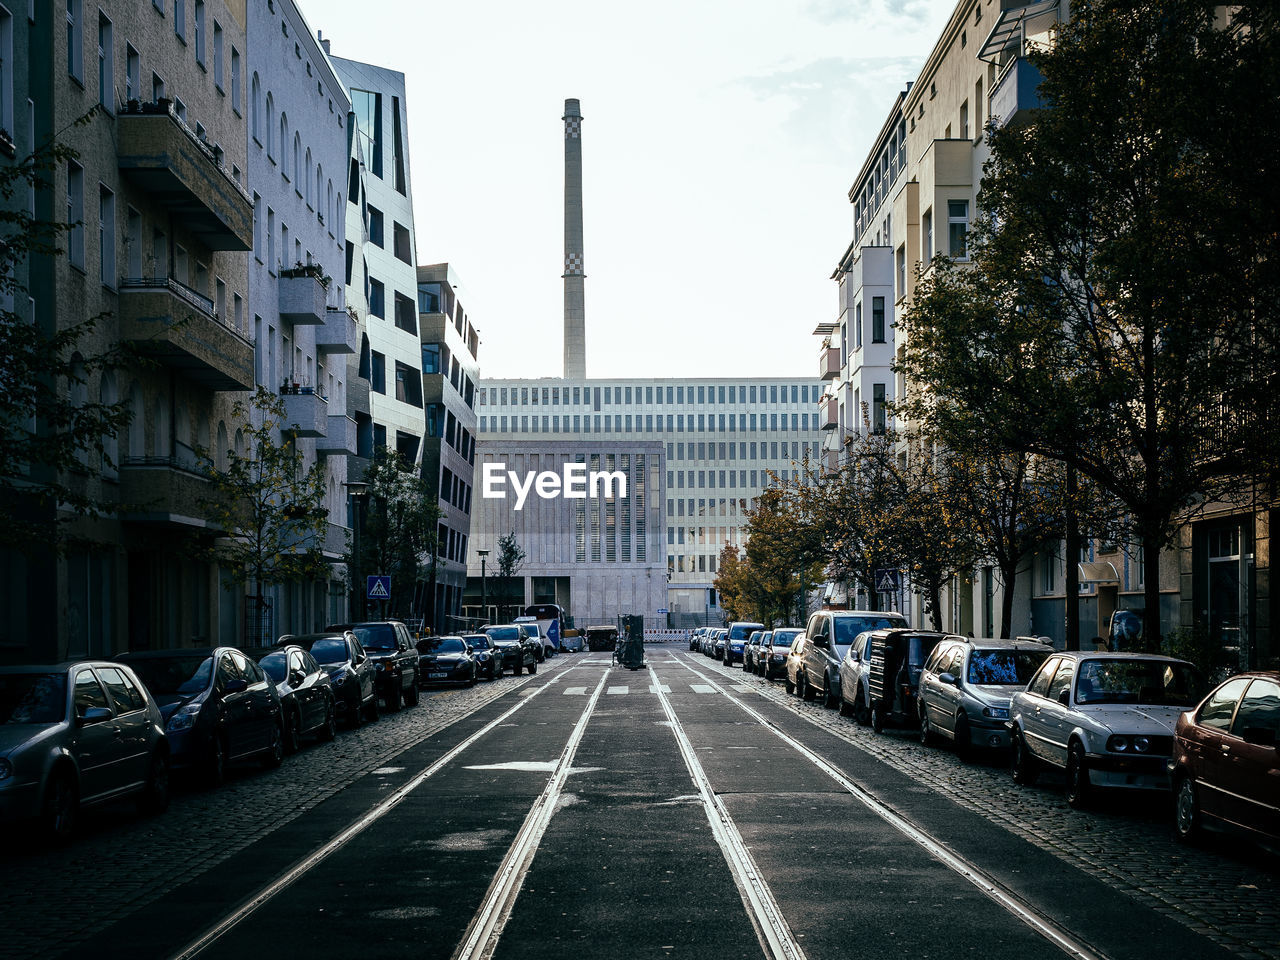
column 720, row 139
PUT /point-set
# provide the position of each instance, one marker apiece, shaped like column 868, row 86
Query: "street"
column 592, row 811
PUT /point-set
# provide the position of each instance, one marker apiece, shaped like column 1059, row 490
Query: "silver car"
column 965, row 688
column 75, row 734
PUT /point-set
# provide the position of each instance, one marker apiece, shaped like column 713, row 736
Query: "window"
column 964, row 120
column 926, row 234
column 255, row 108
column 409, row 385
column 901, row 257
column 133, row 241
column 180, row 19
column 1258, row 719
column 376, row 233
column 132, row 74
column 157, row 86
column 75, row 213
column 367, row 107
column 958, row 229
column 400, row 239
column 269, row 120
column 877, row 320
column 106, row 65
column 378, row 372
column 75, row 41
column 1221, row 706
column 1061, row 679
column 107, row 235
column 235, row 80
column 878, row 419
column 1048, row 570
column 406, row 315
column 298, row 169
column 377, row 298
column 217, row 54
column 199, row 32
column 857, row 324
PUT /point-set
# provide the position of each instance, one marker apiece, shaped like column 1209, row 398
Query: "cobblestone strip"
column 123, row 862
column 1127, row 843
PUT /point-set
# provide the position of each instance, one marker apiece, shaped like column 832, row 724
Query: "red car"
column 1224, row 766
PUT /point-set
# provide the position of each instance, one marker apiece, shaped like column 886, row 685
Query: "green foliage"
column 510, row 559
column 399, row 530
column 269, row 507
column 1195, row 645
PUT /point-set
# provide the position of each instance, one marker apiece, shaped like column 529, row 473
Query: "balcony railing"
column 829, row 414
column 339, row 438
column 301, row 297
column 829, row 363
column 164, row 489
column 1016, row 94
column 340, row 333
column 306, row 414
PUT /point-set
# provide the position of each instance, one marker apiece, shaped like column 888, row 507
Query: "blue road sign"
column 888, row 580
column 378, row 588
column 662, row 610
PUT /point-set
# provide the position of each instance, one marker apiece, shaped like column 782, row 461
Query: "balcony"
column 163, row 490
column 829, row 363
column 305, row 414
column 159, row 153
column 357, row 468
column 340, row 333
column 1016, row 95
column 339, row 437
column 176, row 324
column 337, row 540
column 830, row 462
column 301, row 297
column 829, row 413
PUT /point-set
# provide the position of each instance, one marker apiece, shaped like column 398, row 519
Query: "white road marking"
column 528, row 766
column 766, row 916
column 703, row 688
column 743, row 688
column 485, row 929
column 1046, row 926
column 618, row 690
column 575, row 691
column 659, row 687
column 386, row 771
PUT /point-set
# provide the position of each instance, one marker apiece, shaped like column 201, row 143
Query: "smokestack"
column 575, row 309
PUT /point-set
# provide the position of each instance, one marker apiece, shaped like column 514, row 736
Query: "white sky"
column 720, row 139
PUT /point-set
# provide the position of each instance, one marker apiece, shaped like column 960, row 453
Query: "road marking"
column 743, row 688
column 659, row 686
column 386, row 771
column 382, row 809
column 485, row 929
column 574, row 691
column 617, row 690
column 703, row 688
column 766, row 916
column 1050, row 929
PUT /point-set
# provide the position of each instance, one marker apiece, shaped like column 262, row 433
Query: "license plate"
column 436, row 676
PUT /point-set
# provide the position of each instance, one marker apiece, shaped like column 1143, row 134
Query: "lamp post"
column 484, row 592
column 356, row 491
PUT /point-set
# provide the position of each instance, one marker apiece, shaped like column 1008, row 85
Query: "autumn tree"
column 731, row 584
column 782, row 557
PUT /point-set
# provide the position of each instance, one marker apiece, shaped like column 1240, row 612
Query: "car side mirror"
column 93, row 715
column 235, row 686
column 296, row 677
column 822, row 643
column 1064, row 698
column 1259, row 736
column 949, row 678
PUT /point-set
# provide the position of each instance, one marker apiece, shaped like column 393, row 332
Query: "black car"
column 486, row 657
column 350, row 672
column 445, row 660
column 395, row 661
column 218, row 706
column 512, row 643
column 306, row 695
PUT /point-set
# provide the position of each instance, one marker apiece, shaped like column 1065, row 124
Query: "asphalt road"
column 594, row 811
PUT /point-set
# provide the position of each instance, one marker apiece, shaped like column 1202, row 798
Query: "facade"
column 450, row 369
column 720, row 441
column 298, row 115
column 599, row 557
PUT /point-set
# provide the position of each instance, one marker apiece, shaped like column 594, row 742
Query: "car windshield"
column 442, row 645
column 376, row 636
column 330, row 650
column 275, row 665
column 33, row 698
column 504, row 634
column 174, row 676
column 477, row 643
column 1155, row 682
column 847, row 628
column 531, row 628
column 784, row 639
column 739, row 631
column 1005, row 667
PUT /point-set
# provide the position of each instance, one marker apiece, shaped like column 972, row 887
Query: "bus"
column 550, row 620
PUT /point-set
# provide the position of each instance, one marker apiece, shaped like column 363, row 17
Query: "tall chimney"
column 575, row 309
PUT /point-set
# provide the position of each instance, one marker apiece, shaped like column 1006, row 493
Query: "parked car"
column 718, row 645
column 736, row 640
column 1224, row 769
column 219, row 707
column 1106, row 719
column 445, row 660
column 829, row 635
column 773, row 652
column 512, row 645
column 74, row 734
column 350, row 670
column 794, row 663
column 855, row 671
column 751, row 652
column 395, row 661
column 545, row 647
column 893, row 680
column 695, row 636
column 965, row 688
column 486, row 657
column 306, row 695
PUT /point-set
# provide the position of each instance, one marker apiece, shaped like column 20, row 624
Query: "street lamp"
column 484, row 593
column 356, row 490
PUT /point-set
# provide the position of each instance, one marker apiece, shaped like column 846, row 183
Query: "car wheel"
column 155, row 795
column 533, row 668
column 926, row 729
column 395, row 699
column 877, row 719
column 411, row 698
column 472, row 682
column 215, row 773
column 60, row 812
column 860, row 713
column 1186, row 811
column 329, row 729
column 964, row 740
column 1026, row 768
column 845, row 709
column 790, row 687
column 830, row 699
column 1078, row 792
column 517, row 669
column 371, row 708
column 275, row 749
column 292, row 732
column 807, row 692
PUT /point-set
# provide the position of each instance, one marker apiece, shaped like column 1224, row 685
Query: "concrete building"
column 450, row 369
column 164, row 223
column 298, row 118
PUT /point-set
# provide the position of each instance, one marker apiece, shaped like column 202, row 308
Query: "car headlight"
column 183, row 719
column 1118, row 744
column 1141, row 744
column 6, row 770
column 996, row 713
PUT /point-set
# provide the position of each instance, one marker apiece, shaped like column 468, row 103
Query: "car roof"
column 179, row 652
column 865, row 613
column 65, row 665
column 1004, row 643
column 1117, row 655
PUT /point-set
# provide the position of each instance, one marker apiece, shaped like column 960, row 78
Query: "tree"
column 731, row 584
column 511, row 558
column 48, row 424
column 780, row 558
column 399, row 528
column 268, row 506
column 1119, row 312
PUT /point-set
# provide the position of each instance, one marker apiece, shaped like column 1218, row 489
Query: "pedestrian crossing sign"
column 378, row 588
column 888, row 580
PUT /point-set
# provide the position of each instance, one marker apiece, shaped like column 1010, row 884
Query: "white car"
column 1106, row 719
column 546, row 647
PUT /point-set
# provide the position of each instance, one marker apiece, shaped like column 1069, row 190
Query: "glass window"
column 1155, row 682
column 1004, row 666
column 1040, row 685
column 126, row 696
column 1258, row 719
column 89, row 693
column 1221, row 705
column 1062, row 679
column 958, row 229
